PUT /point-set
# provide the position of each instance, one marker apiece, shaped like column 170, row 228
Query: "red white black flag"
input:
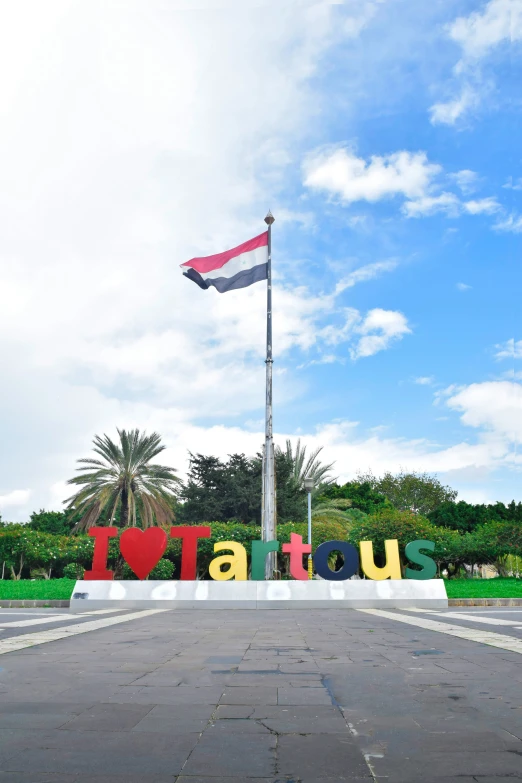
column 237, row 268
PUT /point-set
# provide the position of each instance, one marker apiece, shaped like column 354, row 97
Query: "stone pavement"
column 263, row 697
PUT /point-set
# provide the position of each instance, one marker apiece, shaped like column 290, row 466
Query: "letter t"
column 296, row 549
column 189, row 534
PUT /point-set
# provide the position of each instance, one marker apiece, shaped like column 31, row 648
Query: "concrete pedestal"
column 291, row 594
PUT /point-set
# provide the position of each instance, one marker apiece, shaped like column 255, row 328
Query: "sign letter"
column 392, row 569
column 296, row 549
column 101, row 537
column 413, row 553
column 238, row 562
column 260, row 549
column 189, row 534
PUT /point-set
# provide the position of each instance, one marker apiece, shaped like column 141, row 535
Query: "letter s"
column 412, row 552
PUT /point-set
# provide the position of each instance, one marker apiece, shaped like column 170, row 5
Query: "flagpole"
column 268, row 527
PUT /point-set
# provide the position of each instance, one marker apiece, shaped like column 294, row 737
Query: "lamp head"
column 309, row 483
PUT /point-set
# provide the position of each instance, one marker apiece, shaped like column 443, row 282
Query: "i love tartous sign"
column 143, row 549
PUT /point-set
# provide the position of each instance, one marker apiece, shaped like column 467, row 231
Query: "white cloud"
column 463, row 287
column 495, row 406
column 425, row 380
column 364, row 273
column 430, row 205
column 379, row 329
column 447, row 113
column 130, row 141
column 513, row 223
column 498, row 22
column 487, row 206
column 466, row 180
column 341, row 173
column 511, row 349
column 513, row 184
column 17, row 497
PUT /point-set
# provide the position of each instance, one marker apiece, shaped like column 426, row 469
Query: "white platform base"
column 291, row 594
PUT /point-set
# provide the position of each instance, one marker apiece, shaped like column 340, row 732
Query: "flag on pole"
column 237, row 268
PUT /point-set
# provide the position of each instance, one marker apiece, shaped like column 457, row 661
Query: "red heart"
column 142, row 549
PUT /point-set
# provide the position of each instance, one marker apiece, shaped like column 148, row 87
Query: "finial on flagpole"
column 269, row 218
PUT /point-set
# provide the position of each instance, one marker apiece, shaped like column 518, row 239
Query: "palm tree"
column 336, row 510
column 125, row 481
column 303, row 466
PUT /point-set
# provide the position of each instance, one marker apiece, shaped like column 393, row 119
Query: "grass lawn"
column 484, row 588
column 39, row 590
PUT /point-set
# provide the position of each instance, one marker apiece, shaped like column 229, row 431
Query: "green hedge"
column 25, row 552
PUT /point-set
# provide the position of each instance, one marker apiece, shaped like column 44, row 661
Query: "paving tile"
column 107, row 763
column 28, row 721
column 304, row 696
column 246, row 695
column 109, row 717
column 328, row 756
column 233, row 711
column 42, row 708
column 175, row 719
column 444, row 764
column 199, row 779
column 238, row 727
column 31, row 777
column 233, row 755
column 301, row 720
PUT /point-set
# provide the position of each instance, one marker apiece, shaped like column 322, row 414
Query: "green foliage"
column 362, row 496
column 417, row 492
column 56, row 522
column 23, row 549
column 163, row 570
column 304, row 467
column 221, row 490
column 465, row 517
column 225, row 491
column 126, row 483
column 73, row 571
column 389, row 523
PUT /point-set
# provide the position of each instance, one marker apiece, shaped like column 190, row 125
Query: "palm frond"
column 124, row 480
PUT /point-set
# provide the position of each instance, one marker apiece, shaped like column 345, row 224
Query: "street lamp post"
column 309, row 484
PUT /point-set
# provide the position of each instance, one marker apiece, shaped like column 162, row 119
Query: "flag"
column 236, row 268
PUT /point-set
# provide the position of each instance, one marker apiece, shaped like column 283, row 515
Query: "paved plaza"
column 261, row 696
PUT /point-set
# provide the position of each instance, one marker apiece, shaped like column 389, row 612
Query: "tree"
column 417, row 492
column 125, row 483
column 466, row 517
column 216, row 491
column 302, row 467
column 56, row 522
column 361, row 496
column 390, row 523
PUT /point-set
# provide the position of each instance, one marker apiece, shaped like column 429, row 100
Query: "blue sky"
column 383, row 135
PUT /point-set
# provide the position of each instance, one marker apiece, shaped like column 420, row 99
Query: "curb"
column 451, row 602
column 31, row 604
column 484, row 601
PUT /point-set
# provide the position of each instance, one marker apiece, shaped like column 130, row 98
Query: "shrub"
column 73, row 571
column 163, row 570
column 405, row 526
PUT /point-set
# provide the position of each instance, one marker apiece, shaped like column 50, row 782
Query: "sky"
column 384, row 136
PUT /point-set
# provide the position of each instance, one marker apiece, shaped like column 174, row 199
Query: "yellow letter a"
column 392, row 569
column 238, row 562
